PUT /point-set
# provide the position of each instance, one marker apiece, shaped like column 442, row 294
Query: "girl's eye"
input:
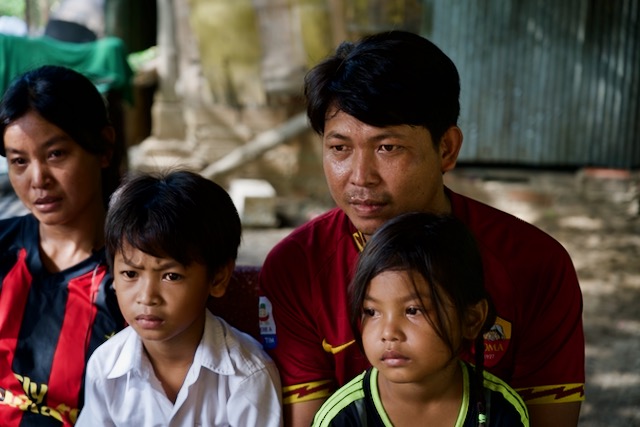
column 369, row 312
column 412, row 311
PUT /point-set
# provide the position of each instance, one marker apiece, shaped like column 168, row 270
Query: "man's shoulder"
column 492, row 226
column 316, row 238
column 331, row 220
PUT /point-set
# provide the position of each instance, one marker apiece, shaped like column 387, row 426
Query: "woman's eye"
column 56, row 153
column 18, row 161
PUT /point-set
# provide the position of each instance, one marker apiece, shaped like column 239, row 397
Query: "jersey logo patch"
column 267, row 324
column 337, row 349
column 496, row 342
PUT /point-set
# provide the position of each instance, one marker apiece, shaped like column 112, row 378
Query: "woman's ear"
column 109, row 137
column 449, row 148
column 221, row 279
column 474, row 319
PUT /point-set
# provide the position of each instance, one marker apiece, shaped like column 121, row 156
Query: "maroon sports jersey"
column 536, row 345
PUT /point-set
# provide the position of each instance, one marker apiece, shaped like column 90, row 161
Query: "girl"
column 417, row 302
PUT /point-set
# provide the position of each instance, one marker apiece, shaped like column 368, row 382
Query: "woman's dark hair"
column 444, row 252
column 178, row 214
column 70, row 101
column 386, row 79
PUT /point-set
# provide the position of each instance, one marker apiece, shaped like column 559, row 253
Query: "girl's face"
column 398, row 338
column 56, row 179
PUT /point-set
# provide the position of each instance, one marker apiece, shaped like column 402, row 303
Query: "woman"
column 56, row 300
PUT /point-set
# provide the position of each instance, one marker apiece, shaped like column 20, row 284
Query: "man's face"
column 375, row 174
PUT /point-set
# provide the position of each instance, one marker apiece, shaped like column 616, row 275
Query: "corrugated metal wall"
column 544, row 82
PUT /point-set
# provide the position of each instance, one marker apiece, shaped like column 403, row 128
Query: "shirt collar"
column 212, row 352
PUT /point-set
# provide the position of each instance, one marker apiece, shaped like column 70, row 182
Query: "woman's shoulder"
column 20, row 231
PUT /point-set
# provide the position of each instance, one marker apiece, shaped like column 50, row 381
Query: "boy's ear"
column 221, row 279
column 474, row 319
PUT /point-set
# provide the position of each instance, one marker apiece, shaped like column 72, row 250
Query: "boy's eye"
column 128, row 274
column 172, row 277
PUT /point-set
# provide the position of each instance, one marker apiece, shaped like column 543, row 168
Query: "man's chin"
column 366, row 226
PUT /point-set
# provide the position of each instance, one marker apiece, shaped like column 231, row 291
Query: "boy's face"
column 397, row 337
column 163, row 300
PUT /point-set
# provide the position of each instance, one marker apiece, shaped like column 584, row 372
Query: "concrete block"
column 255, row 200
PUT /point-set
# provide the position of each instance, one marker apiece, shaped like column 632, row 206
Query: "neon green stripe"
column 343, row 397
column 496, row 384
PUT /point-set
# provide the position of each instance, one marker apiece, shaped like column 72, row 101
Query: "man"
column 387, row 110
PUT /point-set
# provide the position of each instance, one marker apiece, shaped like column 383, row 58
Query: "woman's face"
column 56, row 179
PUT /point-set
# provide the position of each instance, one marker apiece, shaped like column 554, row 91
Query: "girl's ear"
column 221, row 279
column 474, row 319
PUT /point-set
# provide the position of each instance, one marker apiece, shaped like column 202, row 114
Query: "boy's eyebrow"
column 162, row 265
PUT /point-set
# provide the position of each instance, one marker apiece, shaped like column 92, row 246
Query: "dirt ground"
column 594, row 214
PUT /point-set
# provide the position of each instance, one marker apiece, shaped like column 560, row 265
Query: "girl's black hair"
column 70, row 101
column 445, row 253
column 177, row 214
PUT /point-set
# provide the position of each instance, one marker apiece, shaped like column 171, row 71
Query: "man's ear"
column 109, row 136
column 221, row 279
column 449, row 148
column 474, row 319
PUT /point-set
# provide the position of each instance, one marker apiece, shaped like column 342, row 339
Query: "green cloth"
column 103, row 61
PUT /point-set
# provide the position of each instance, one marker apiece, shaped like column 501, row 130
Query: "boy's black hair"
column 444, row 252
column 177, row 214
column 386, row 79
column 70, row 101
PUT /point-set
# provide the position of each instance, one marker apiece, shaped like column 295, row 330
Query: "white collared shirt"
column 232, row 382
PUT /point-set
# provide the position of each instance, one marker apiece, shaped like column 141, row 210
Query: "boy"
column 172, row 240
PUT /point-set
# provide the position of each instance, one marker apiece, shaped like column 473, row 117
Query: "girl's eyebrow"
column 408, row 298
